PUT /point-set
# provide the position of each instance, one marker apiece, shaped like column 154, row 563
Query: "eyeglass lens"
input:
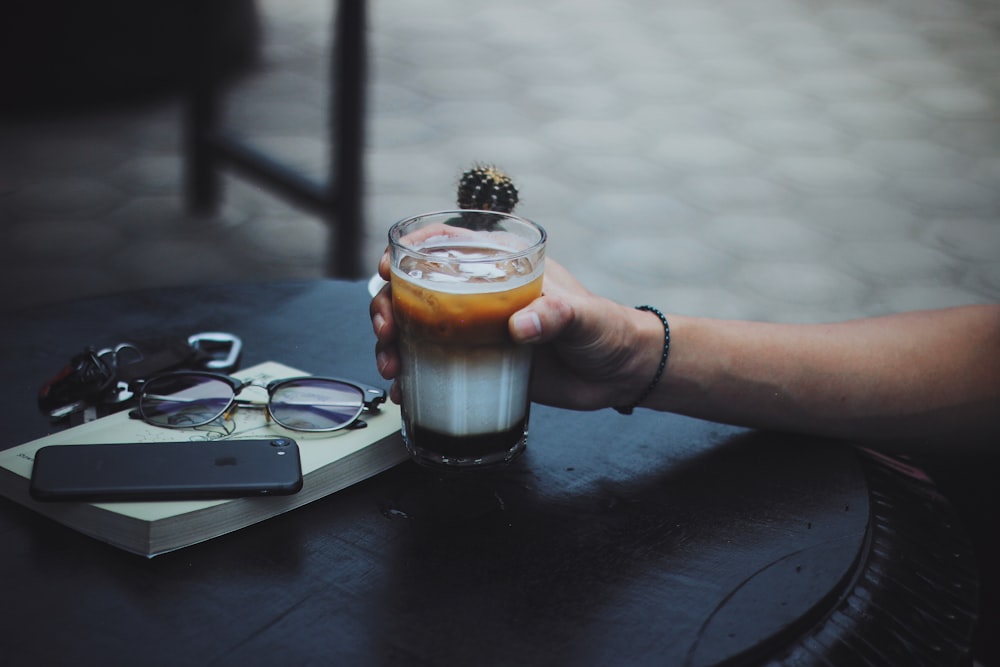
column 301, row 404
column 179, row 401
column 313, row 404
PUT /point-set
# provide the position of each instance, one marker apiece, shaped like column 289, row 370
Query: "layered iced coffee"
column 464, row 383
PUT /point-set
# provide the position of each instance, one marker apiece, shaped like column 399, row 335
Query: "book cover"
column 330, row 462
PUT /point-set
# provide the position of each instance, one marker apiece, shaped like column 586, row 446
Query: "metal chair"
column 210, row 148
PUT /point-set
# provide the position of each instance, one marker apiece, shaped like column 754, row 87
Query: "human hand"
column 386, row 332
column 592, row 352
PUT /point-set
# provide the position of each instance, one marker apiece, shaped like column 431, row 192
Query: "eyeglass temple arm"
column 373, row 396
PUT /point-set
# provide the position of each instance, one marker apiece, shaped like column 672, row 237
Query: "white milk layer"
column 465, row 390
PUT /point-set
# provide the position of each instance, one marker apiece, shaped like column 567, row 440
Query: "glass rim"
column 508, row 254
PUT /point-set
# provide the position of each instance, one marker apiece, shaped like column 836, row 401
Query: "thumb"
column 541, row 321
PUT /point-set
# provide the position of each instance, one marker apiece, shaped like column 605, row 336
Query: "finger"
column 548, row 316
column 387, row 360
column 438, row 229
column 380, row 312
column 383, row 265
column 395, row 395
column 415, row 238
column 541, row 321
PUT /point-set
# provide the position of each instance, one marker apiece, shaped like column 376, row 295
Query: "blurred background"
column 795, row 160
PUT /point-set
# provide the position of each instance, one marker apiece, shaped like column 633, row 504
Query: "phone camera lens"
column 280, row 442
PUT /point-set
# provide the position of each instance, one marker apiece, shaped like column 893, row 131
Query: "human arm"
column 899, row 381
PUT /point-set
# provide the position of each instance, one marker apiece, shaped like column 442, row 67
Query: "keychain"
column 96, row 382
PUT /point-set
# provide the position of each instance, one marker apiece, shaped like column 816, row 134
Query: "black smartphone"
column 167, row 470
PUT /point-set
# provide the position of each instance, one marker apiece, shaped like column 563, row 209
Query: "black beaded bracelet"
column 663, row 361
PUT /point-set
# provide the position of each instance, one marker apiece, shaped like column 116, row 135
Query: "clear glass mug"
column 457, row 277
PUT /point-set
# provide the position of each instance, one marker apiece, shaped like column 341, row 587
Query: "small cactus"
column 486, row 188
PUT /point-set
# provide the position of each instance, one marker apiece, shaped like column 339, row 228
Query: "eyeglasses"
column 187, row 399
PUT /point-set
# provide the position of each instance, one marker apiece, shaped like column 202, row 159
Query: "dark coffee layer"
column 471, row 447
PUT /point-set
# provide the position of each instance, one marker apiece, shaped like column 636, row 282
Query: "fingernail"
column 527, row 326
column 381, row 360
column 377, row 323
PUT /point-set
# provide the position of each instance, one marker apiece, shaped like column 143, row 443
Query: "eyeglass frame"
column 372, row 398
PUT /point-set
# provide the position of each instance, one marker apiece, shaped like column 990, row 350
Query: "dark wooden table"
column 650, row 539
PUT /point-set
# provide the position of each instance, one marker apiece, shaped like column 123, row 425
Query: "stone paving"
column 786, row 160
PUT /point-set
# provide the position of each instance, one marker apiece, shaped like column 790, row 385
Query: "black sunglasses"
column 186, row 399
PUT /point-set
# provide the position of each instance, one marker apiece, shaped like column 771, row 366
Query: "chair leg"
column 201, row 178
column 345, row 214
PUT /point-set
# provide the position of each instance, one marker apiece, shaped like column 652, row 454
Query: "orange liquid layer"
column 447, row 317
